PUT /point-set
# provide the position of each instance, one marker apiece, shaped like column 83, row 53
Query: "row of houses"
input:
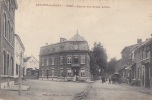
column 135, row 66
column 11, row 47
column 68, row 59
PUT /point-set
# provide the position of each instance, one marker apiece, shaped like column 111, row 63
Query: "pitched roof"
column 130, row 48
column 77, row 37
column 66, row 45
column 147, row 42
column 26, row 59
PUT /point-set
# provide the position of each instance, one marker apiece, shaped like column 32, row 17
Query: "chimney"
column 46, row 44
column 139, row 41
column 147, row 39
column 62, row 39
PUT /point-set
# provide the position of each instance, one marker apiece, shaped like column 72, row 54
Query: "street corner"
column 16, row 88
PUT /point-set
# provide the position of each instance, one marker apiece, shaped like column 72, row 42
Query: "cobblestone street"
column 106, row 91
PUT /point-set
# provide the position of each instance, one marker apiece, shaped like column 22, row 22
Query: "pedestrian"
column 109, row 81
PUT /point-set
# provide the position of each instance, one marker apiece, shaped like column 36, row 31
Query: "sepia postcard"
column 75, row 49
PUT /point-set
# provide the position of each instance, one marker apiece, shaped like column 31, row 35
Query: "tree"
column 98, row 59
column 111, row 66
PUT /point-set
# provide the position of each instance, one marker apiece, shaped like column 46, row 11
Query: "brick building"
column 124, row 64
column 68, row 59
column 136, row 63
column 143, row 63
column 7, row 23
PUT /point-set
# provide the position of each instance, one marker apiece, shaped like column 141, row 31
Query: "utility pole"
column 21, row 54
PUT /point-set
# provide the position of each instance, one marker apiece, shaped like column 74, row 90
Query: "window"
column 76, row 60
column 4, row 25
column 8, row 30
column 139, row 72
column 8, row 63
column 69, row 60
column 61, row 60
column 47, row 61
column 52, row 72
column 52, row 60
column 69, row 72
column 42, row 72
column 134, row 75
column 82, row 59
column 61, row 72
column 82, row 72
column 62, row 47
column 42, row 63
column 12, row 34
column 12, row 66
column 16, row 69
column 8, row 5
column 4, row 63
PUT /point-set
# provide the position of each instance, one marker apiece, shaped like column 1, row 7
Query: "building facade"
column 137, row 67
column 126, row 62
column 18, row 57
column 68, row 59
column 7, row 28
column 143, row 64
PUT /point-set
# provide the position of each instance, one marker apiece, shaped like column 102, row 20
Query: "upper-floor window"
column 8, row 31
column 52, row 60
column 76, row 60
column 141, row 54
column 4, row 25
column 61, row 60
column 82, row 59
column 62, row 47
column 69, row 60
column 47, row 61
column 42, row 62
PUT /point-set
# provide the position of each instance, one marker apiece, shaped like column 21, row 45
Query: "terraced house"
column 142, row 68
column 68, row 59
column 7, row 27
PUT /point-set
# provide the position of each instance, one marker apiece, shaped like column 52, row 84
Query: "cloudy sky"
column 117, row 25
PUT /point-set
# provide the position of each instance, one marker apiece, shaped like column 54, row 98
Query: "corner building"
column 7, row 30
column 68, row 60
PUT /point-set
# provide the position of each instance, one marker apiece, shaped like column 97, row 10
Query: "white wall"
column 32, row 63
column 17, row 51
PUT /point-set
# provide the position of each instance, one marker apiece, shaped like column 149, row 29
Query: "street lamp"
column 21, row 54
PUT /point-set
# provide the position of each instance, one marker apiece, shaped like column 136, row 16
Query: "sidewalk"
column 138, row 88
column 16, row 88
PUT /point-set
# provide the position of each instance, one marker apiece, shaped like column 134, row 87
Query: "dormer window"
column 62, row 47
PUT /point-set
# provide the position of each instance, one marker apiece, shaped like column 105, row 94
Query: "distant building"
column 125, row 63
column 68, row 59
column 31, row 64
column 7, row 24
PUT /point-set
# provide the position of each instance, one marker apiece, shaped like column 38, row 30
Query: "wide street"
column 53, row 90
column 46, row 90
